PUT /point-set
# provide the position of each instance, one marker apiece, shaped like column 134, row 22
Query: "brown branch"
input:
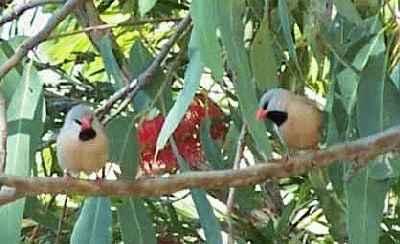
column 133, row 87
column 362, row 150
column 114, row 25
column 3, row 133
column 41, row 36
column 19, row 10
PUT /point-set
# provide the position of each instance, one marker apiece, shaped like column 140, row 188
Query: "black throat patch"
column 87, row 134
column 278, row 117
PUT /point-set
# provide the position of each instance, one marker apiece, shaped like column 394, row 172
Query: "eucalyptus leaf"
column 136, row 224
column 94, row 223
column 110, row 62
column 146, row 5
column 25, row 117
column 205, row 18
column 263, row 60
column 232, row 38
column 185, row 97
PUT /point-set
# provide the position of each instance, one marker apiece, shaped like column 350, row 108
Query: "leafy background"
column 344, row 53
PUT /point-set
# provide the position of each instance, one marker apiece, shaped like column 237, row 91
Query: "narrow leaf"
column 136, row 224
column 232, row 37
column 263, row 60
column 146, row 5
column 365, row 195
column 94, row 223
column 25, row 117
column 123, row 144
column 208, row 221
column 348, row 10
column 205, row 22
column 110, row 62
column 185, row 97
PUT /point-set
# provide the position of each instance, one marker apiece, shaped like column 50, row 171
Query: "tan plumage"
column 302, row 128
column 82, row 144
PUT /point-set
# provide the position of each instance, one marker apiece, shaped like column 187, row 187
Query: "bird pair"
column 82, row 144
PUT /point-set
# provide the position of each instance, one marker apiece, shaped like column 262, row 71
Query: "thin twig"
column 145, row 77
column 128, row 99
column 363, row 150
column 3, row 133
column 14, row 13
column 114, row 25
column 231, row 194
column 41, row 36
column 61, row 221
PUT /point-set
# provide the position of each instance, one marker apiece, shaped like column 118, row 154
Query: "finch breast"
column 76, row 155
column 302, row 130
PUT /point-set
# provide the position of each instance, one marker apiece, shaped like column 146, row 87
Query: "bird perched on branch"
column 298, row 118
column 82, row 144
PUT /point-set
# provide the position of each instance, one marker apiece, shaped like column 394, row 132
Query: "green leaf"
column 210, row 148
column 286, row 27
column 375, row 46
column 146, row 5
column 391, row 104
column 333, row 208
column 205, row 23
column 365, row 195
column 263, row 60
column 185, row 97
column 208, row 221
column 284, row 220
column 348, row 10
column 25, row 118
column 123, row 145
column 231, row 29
column 94, row 223
column 136, row 224
column 139, row 59
column 395, row 76
column 110, row 62
column 10, row 82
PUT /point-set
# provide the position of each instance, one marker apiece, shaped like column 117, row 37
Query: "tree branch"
column 19, row 10
column 41, row 36
column 107, row 26
column 133, row 87
column 361, row 150
column 3, row 133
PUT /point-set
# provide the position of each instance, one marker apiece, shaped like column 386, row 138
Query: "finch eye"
column 265, row 106
column 77, row 121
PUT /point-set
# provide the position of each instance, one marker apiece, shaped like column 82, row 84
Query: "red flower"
column 190, row 150
column 149, row 129
column 186, row 136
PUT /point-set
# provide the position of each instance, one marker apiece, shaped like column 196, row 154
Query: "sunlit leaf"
column 25, row 116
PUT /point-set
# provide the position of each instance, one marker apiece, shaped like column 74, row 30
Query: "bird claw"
column 99, row 179
column 67, row 175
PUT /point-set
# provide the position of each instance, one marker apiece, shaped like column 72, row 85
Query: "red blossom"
column 186, row 136
column 149, row 129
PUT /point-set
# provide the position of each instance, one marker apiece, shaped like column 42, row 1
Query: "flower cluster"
column 186, row 135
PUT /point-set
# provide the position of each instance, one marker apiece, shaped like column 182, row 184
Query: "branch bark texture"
column 19, row 10
column 41, row 36
column 361, row 150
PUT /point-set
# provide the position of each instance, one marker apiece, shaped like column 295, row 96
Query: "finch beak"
column 261, row 114
column 86, row 122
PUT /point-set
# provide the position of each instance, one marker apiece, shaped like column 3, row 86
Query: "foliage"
column 344, row 53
